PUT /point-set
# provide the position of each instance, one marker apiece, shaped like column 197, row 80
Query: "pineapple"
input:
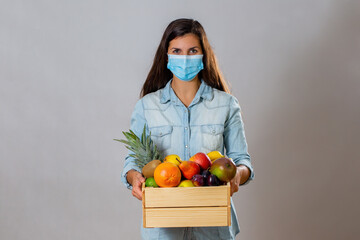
column 144, row 151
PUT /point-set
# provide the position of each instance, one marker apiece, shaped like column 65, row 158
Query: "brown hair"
column 159, row 74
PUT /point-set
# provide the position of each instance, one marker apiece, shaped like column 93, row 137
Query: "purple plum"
column 198, row 180
column 212, row 180
column 205, row 174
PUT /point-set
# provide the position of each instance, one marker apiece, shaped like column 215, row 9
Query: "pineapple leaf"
column 124, row 141
column 143, row 136
column 133, row 135
column 143, row 149
column 130, row 136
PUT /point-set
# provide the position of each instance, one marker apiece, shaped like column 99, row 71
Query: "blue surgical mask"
column 185, row 67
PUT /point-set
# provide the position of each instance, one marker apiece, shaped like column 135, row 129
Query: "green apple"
column 224, row 169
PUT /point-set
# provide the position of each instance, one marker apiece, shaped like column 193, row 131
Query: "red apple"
column 189, row 169
column 202, row 159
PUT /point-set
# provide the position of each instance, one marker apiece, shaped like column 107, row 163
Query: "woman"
column 187, row 107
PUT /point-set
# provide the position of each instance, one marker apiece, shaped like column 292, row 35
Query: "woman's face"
column 189, row 44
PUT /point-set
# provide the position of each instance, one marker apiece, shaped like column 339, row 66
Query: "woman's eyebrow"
column 189, row 48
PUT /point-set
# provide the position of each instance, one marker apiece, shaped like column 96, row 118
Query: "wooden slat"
column 187, row 196
column 186, row 217
column 229, row 205
column 143, row 203
column 229, row 215
column 143, row 193
column 228, row 194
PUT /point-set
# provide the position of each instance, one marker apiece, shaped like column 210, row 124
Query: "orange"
column 167, row 174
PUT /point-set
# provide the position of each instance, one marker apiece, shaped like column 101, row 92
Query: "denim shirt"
column 212, row 122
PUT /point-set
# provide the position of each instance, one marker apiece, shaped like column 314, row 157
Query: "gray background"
column 71, row 72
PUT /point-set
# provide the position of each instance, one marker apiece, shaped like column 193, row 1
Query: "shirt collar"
column 204, row 92
column 165, row 93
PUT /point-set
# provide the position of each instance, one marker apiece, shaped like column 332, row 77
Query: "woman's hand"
column 241, row 176
column 135, row 179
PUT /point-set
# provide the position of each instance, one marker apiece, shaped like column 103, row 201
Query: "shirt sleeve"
column 136, row 125
column 234, row 138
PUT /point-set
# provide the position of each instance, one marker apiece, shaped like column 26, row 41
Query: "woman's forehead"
column 187, row 41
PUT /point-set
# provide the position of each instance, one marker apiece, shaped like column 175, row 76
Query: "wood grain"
column 187, row 196
column 186, row 217
column 143, row 203
column 186, row 207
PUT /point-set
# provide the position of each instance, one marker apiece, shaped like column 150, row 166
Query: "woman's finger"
column 136, row 194
column 234, row 189
column 137, row 191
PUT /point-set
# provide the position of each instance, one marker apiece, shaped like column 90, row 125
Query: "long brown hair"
column 159, row 74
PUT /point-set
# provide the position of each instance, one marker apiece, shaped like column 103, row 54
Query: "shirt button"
column 160, row 134
column 185, row 128
column 213, row 131
column 186, row 146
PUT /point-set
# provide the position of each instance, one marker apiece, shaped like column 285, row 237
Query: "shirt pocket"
column 161, row 136
column 212, row 137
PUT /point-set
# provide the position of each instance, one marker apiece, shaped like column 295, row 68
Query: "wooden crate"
column 186, row 206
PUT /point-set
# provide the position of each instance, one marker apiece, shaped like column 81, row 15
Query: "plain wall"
column 71, row 72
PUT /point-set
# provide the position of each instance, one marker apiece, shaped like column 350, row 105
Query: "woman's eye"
column 176, row 51
column 193, row 51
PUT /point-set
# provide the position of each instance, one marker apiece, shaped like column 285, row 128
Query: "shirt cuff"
column 246, row 163
column 124, row 174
